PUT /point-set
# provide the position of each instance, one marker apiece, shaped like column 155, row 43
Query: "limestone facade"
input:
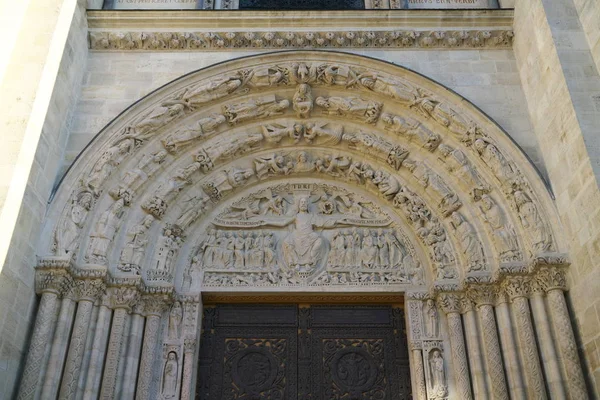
column 306, row 171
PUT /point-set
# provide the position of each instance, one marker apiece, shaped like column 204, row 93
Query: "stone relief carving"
column 256, row 108
column 303, row 101
column 449, row 201
column 175, row 321
column 189, row 134
column 412, row 129
column 134, row 251
column 167, row 247
column 131, row 41
column 357, row 108
column 217, row 88
column 438, row 384
column 107, row 162
column 134, row 178
column 445, row 116
column 469, row 242
column 458, row 164
column 146, row 126
column 430, row 317
column 531, row 220
column 66, row 235
column 504, row 235
column 104, row 232
column 170, row 378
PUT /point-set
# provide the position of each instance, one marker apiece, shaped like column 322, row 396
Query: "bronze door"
column 266, row 352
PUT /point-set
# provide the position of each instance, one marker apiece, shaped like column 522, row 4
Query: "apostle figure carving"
column 203, row 127
column 216, row 89
column 133, row 253
column 446, row 117
column 504, row 170
column 108, row 161
column 396, row 89
column 354, row 107
column 532, row 222
column 67, row 234
column 104, row 232
column 505, row 237
column 469, row 243
column 256, row 108
column 168, row 111
column 458, row 164
column 430, row 316
column 170, row 377
column 166, row 250
column 439, row 388
column 136, row 177
column 225, row 181
column 175, row 318
column 303, row 101
column 412, row 129
column 449, row 201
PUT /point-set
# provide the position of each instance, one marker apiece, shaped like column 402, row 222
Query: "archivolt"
column 471, row 199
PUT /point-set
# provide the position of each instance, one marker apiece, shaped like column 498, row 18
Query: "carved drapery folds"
column 312, row 171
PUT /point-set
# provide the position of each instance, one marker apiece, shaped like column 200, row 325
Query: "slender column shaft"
column 133, row 357
column 459, row 356
column 89, row 345
column 42, row 333
column 68, row 387
column 123, row 357
column 566, row 344
column 529, row 352
column 148, row 356
column 549, row 359
column 189, row 348
column 59, row 349
column 493, row 356
column 92, row 383
column 475, row 359
column 421, row 388
column 509, row 350
column 109, row 380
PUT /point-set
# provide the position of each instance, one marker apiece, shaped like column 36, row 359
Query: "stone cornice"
column 196, row 31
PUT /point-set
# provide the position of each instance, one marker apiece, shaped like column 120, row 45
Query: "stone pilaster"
column 189, row 349
column 87, row 290
column 483, row 295
column 418, row 371
column 50, row 283
column 518, row 289
column 555, row 284
column 122, row 299
column 450, row 303
column 480, row 389
column 154, row 306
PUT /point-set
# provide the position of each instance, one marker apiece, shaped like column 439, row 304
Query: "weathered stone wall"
column 38, row 92
column 560, row 82
column 589, row 15
column 488, row 78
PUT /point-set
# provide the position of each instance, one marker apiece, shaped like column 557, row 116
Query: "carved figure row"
column 301, row 40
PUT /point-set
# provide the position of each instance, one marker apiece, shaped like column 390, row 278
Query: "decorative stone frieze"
column 198, row 41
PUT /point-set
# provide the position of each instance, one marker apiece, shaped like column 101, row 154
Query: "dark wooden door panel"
column 306, row 353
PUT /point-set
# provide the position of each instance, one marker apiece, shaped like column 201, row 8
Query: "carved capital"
column 551, row 278
column 89, row 289
column 450, row 302
column 466, row 304
column 482, row 294
column 517, row 286
column 501, row 296
column 417, row 295
column 52, row 281
column 189, row 346
column 123, row 297
column 155, row 305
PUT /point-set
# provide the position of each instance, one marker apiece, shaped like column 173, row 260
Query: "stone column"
column 154, row 306
column 555, row 282
column 419, row 371
column 92, row 383
column 87, row 290
column 480, row 390
column 50, row 284
column 122, row 299
column 133, row 353
column 483, row 295
column 189, row 350
column 59, row 348
column 518, row 288
column 546, row 341
column 450, row 303
column 509, row 348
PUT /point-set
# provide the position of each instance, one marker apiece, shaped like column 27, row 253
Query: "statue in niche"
column 412, row 129
column 203, row 127
column 216, row 89
column 505, row 237
column 330, row 134
column 458, row 164
column 303, row 101
column 104, row 232
column 397, row 90
column 272, row 165
column 263, row 107
column 354, row 107
column 108, row 161
column 504, row 170
column 469, row 242
column 66, row 236
column 274, row 133
column 439, row 388
column 532, row 222
column 135, row 246
column 170, row 376
column 145, row 169
column 430, row 316
column 175, row 319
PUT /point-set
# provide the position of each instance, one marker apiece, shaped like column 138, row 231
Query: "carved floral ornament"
column 301, row 169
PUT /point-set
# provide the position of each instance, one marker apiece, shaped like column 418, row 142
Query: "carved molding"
column 234, row 40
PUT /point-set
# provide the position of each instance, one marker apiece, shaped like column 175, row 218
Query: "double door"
column 291, row 352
